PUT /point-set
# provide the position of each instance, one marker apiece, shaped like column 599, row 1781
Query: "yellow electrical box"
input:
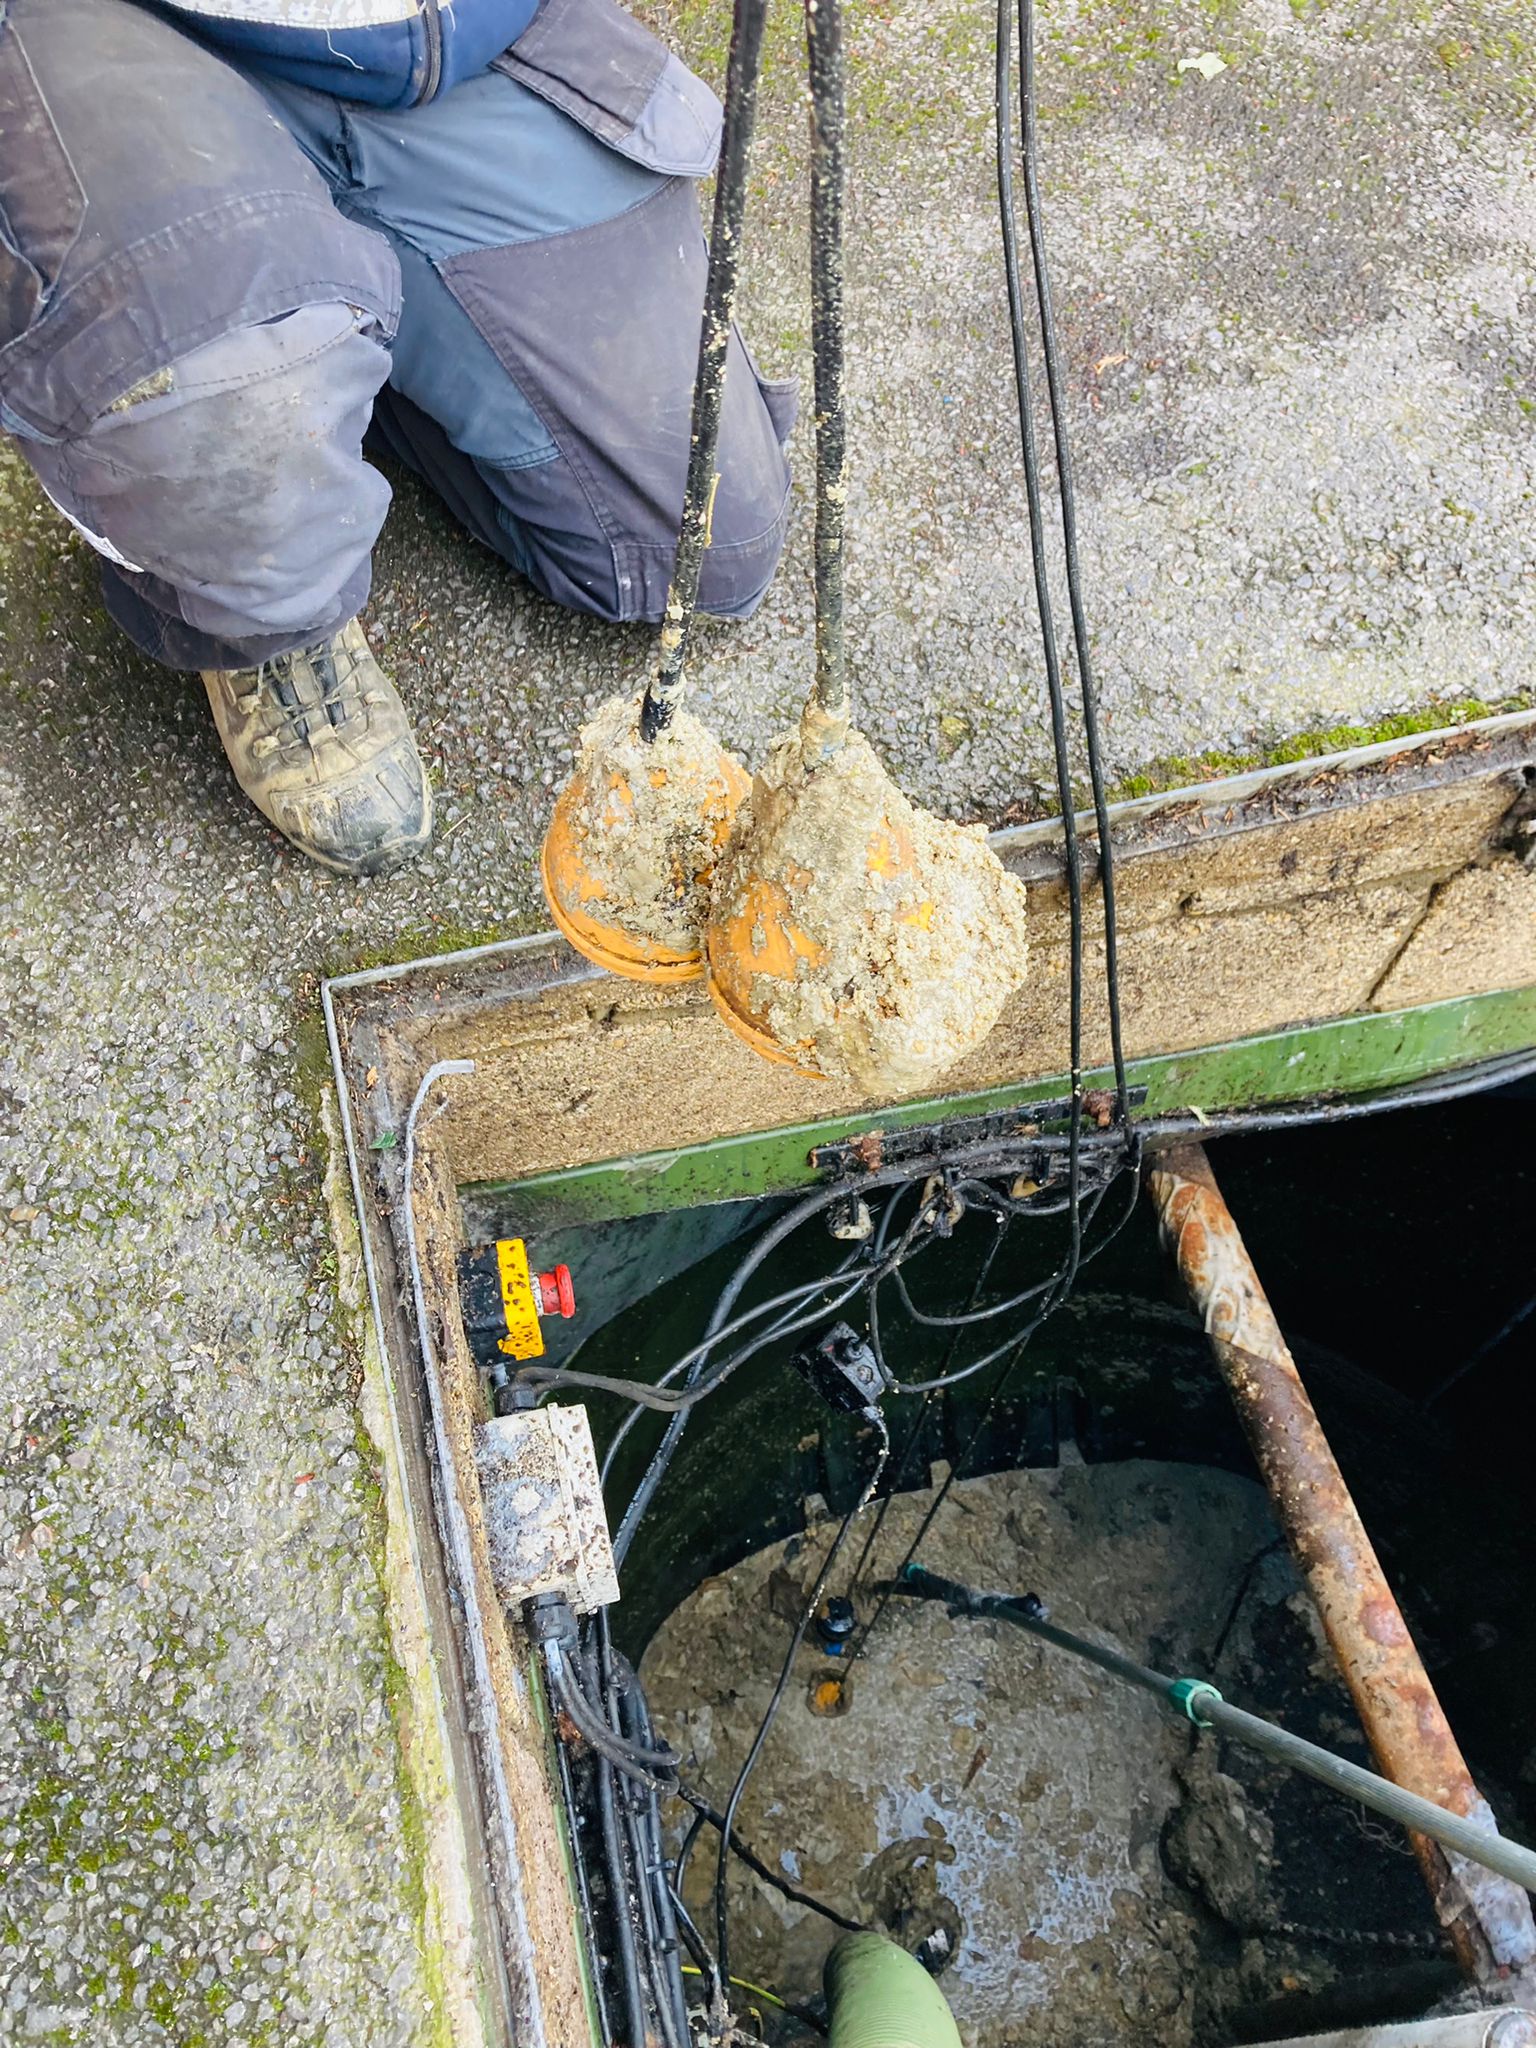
column 524, row 1338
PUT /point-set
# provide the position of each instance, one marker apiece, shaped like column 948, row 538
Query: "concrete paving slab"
column 1296, row 301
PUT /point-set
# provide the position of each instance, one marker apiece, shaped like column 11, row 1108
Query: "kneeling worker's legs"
column 553, row 282
column 201, row 316
column 191, row 339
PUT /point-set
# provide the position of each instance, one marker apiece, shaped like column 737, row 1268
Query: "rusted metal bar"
column 1488, row 1919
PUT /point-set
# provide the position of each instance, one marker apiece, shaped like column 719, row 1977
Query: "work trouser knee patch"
column 600, row 328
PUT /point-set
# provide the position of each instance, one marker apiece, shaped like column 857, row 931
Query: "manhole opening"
column 1075, row 1867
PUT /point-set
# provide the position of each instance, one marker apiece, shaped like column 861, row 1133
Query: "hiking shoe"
column 320, row 743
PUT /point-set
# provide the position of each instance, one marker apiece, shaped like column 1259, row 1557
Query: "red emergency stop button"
column 557, row 1297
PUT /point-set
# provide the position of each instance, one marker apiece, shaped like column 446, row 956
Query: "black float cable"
column 920, row 1421
column 1055, row 1288
column 701, row 1813
column 704, row 1813
column 956, row 1471
column 965, row 1317
column 644, row 1804
column 660, row 1393
column 742, row 68
column 584, row 1890
column 624, row 1926
column 813, row 1601
column 542, row 1379
column 961, row 1465
column 827, row 78
column 786, row 1325
column 825, row 51
column 1048, row 644
column 1029, row 136
column 928, row 1390
column 777, row 1232
column 656, row 1961
column 872, row 1310
column 698, row 1948
column 592, row 1723
column 1066, row 486
column 655, row 1472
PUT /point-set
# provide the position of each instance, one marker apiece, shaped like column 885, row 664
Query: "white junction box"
column 545, row 1524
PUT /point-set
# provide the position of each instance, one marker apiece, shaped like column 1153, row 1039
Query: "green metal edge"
column 1345, row 1056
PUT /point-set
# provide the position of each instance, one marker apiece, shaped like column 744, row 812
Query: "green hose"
column 880, row 1997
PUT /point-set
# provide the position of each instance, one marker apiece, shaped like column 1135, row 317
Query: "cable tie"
column 1185, row 1691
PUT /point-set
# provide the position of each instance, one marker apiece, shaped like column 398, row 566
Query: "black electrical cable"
column 690, row 1839
column 1066, row 487
column 627, row 1705
column 1055, row 1289
column 1428, row 1092
column 644, row 1493
column 872, row 1302
column 619, row 1735
column 660, row 1960
column 701, row 1381
column 956, row 1471
column 584, row 1895
column 698, row 1948
column 1245, row 1584
column 969, row 1316
column 1054, row 691
column 706, row 1815
column 663, row 1396
column 658, row 1965
column 722, row 1867
column 543, row 1379
column 619, row 1905
column 961, row 1465
column 993, row 1155
column 919, row 1421
column 656, row 1471
column 715, row 326
column 660, row 1394
column 618, row 1901
column 649, row 1766
column 1486, row 1349
column 1006, row 1207
column 827, row 78
column 996, row 1155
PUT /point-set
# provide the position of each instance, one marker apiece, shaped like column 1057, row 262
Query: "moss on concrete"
column 1178, row 771
column 425, row 941
column 433, row 1880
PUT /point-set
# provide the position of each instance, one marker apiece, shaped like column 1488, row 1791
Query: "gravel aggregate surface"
column 1298, row 309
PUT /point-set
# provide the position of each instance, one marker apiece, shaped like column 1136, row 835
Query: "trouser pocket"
column 594, row 61
column 600, row 330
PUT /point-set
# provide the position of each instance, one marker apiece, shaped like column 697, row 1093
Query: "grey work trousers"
column 214, row 285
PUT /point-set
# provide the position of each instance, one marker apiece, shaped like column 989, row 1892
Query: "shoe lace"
column 302, row 716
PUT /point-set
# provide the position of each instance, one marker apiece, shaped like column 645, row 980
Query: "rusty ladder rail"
column 1487, row 1918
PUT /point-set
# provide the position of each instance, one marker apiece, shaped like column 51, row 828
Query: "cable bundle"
column 921, row 1201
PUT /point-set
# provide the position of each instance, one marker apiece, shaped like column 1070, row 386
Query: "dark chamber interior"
column 1395, row 1249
